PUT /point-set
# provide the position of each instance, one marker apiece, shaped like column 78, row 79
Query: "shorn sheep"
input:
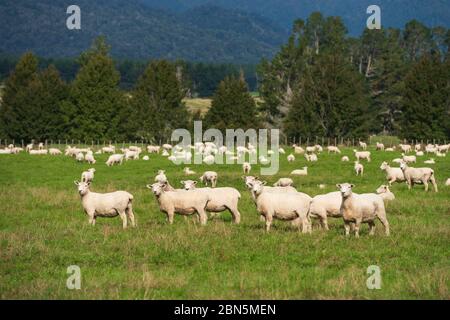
column 359, row 168
column 209, row 177
column 246, row 167
column 392, row 174
column 291, row 158
column 362, row 155
column 161, row 177
column 114, row 159
column 282, row 206
column 300, row 172
column 384, row 192
column 284, row 182
column 361, row 208
column 111, row 204
column 181, row 202
column 88, row 176
column 326, row 205
column 418, row 175
column 333, row 149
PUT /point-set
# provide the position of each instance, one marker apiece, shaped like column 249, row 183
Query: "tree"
column 157, row 102
column 232, row 106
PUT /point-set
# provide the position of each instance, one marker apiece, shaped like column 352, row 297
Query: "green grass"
column 43, row 230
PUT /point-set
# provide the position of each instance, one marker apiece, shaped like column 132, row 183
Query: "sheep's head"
column 345, row 189
column 383, row 189
column 384, row 165
column 161, row 171
column 83, row 187
column 258, row 186
column 249, row 180
column 403, row 165
column 157, row 188
column 91, row 170
column 189, row 184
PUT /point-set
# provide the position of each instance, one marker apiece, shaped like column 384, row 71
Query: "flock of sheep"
column 280, row 201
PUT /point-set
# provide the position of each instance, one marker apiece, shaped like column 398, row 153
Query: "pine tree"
column 232, row 106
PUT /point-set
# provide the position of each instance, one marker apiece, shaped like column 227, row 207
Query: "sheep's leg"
column 305, row 224
column 123, row 216
column 425, row 183
column 357, row 226
column 130, row 214
column 170, row 215
column 347, row 228
column 236, row 214
column 268, row 221
column 433, row 181
column 262, row 218
column 202, row 216
column 371, row 228
column 385, row 224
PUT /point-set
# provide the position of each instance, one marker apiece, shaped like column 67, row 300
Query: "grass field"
column 43, row 230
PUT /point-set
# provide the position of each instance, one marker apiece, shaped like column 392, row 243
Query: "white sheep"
column 384, row 192
column 333, row 149
column 380, row 146
column 310, row 149
column 408, row 159
column 392, row 174
column 246, row 167
column 300, row 172
column 114, row 159
column 361, row 208
column 221, row 199
column 153, row 149
column 167, row 146
column 145, row 158
column 390, row 149
column 132, row 154
column 90, row 158
column 80, row 157
column 291, row 158
column 109, row 149
column 281, row 151
column 111, row 204
column 54, row 151
column 284, row 182
column 406, row 148
column 362, row 155
column 88, row 176
column 359, row 168
column 345, row 159
column 29, row 147
column 418, row 147
column 430, row 161
column 447, row 183
column 187, row 171
column 41, row 146
column 419, row 153
column 251, row 180
column 326, row 205
column 299, row 150
column 363, row 145
column 209, row 176
column 418, row 175
column 311, row 157
column 209, row 159
column 181, row 202
column 161, row 177
column 282, row 206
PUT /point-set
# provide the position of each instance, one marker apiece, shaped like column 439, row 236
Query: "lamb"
column 221, row 199
column 90, row 158
column 209, row 176
column 291, row 158
column 54, row 151
column 363, row 145
column 380, row 146
column 392, row 174
column 246, row 167
column 408, row 159
column 284, row 182
column 80, row 157
column 361, row 208
column 29, row 147
column 345, row 159
column 300, row 172
column 406, row 148
column 384, row 192
column 283, row 206
column 153, row 149
column 362, row 155
column 111, row 204
column 161, row 177
column 114, row 159
column 188, row 171
column 418, row 175
column 326, row 205
column 88, row 176
column 281, row 150
column 359, row 168
column 181, row 202
column 333, row 149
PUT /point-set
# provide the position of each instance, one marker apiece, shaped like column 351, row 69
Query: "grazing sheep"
column 361, row 208
column 408, row 159
column 291, row 158
column 181, row 202
column 40, row 146
column 418, row 147
column 90, row 158
column 311, row 157
column 380, row 146
column 326, row 205
column 131, row 154
column 390, row 149
column 384, row 192
column 114, row 159
column 363, row 145
column 250, row 181
column 392, row 174
column 111, row 204
column 167, row 146
column 318, row 148
column 54, row 151
column 161, row 177
column 221, row 199
column 109, row 149
column 333, row 149
column 246, row 167
column 345, row 159
column 359, row 168
column 282, row 206
column 209, row 176
column 406, row 148
column 419, row 153
column 153, row 149
column 310, row 149
column 362, row 155
column 418, row 175
column 79, row 157
column 284, row 182
column 88, row 176
column 188, row 171
column 35, row 152
column 298, row 150
column 29, row 147
column 300, row 172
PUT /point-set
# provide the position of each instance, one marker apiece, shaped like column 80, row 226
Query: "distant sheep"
column 284, row 182
column 333, row 149
column 246, row 167
column 291, row 158
column 392, row 174
column 114, row 159
column 88, row 176
column 345, row 159
column 421, row 175
column 300, row 172
column 384, row 192
column 359, row 168
column 362, row 155
column 161, row 177
column 209, row 177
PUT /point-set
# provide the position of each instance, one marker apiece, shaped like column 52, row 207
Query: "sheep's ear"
column 256, row 178
column 149, row 186
column 195, row 182
column 352, row 185
column 182, row 182
column 76, row 183
column 338, row 186
column 264, row 183
column 89, row 183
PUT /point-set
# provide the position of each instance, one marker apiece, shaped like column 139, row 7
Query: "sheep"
column 167, row 146
column 90, row 158
column 221, row 199
column 310, row 149
column 153, row 149
column 188, row 171
column 161, row 177
column 447, row 183
column 408, row 159
column 181, row 202
column 291, row 158
column 80, row 157
column 209, row 176
column 345, row 159
column 54, row 151
column 209, row 159
column 384, row 192
column 361, row 208
column 300, row 172
column 406, row 148
column 281, row 150
column 392, row 174
column 263, row 160
column 418, row 147
column 359, row 168
column 109, row 149
column 418, row 175
column 326, row 205
column 283, row 206
column 250, row 181
column 318, row 148
column 284, row 182
column 88, row 176
column 390, row 149
column 430, row 161
column 111, row 204
column 362, row 155
column 363, row 145
column 439, row 154
column 114, row 159
column 311, row 157
column 397, row 160
column 380, row 146
column 419, row 153
column 145, row 158
column 299, row 150
column 246, row 167
column 29, row 147
column 36, row 152
column 41, row 146
column 333, row 149
column 429, row 148
column 131, row 154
